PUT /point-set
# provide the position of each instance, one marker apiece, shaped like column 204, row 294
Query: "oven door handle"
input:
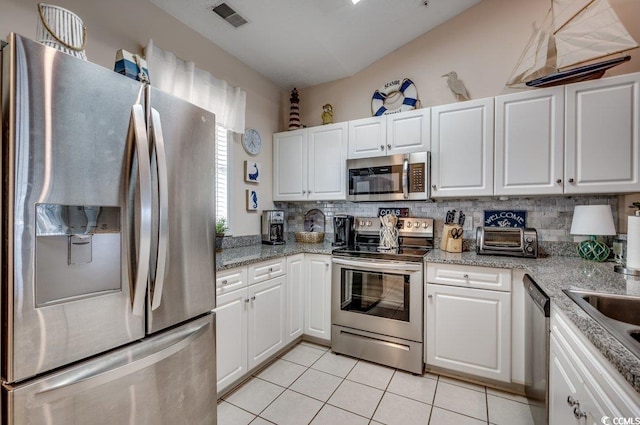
column 393, row 266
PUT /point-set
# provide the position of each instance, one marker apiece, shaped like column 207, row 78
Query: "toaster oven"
column 511, row 241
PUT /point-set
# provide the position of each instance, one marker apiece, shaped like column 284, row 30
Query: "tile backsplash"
column 550, row 216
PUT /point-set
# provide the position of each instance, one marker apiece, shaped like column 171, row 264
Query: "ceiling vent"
column 225, row 11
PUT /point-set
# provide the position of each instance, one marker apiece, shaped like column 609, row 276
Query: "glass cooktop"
column 413, row 254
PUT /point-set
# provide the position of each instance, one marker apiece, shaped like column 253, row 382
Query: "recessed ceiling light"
column 355, row 1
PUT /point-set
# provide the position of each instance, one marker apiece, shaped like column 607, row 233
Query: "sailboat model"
column 578, row 41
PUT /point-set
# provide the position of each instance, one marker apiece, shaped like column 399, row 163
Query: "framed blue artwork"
column 252, row 199
column 252, row 171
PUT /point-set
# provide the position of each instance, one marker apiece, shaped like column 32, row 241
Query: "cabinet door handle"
column 429, row 296
column 572, row 401
column 253, row 298
column 433, row 186
column 381, row 147
column 559, row 181
column 246, row 300
column 579, row 414
column 389, row 146
column 571, row 180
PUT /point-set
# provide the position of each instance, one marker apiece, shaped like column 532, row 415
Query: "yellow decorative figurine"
column 327, row 114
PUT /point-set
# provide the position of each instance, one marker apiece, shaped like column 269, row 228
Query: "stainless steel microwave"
column 389, row 178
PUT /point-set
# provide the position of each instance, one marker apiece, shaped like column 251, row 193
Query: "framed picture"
column 251, row 171
column 252, row 199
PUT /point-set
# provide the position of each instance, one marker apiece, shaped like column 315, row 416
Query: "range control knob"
column 408, row 225
column 528, row 239
column 529, row 249
column 425, row 225
column 369, row 223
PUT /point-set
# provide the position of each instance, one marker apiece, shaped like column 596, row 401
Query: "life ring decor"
column 405, row 87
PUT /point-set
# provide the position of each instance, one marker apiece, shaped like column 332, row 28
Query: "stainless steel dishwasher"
column 537, row 307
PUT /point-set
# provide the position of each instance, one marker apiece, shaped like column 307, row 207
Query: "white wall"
column 128, row 24
column 482, row 44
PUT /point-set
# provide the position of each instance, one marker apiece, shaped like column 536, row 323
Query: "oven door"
column 384, row 297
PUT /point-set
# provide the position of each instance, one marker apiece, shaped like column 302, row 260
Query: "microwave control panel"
column 416, row 177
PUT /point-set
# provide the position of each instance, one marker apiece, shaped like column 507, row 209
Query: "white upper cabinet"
column 602, row 140
column 529, row 142
column 462, row 149
column 367, row 137
column 327, row 166
column 400, row 133
column 289, row 165
column 310, row 164
column 409, row 131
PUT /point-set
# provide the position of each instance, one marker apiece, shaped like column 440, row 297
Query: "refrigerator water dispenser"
column 78, row 252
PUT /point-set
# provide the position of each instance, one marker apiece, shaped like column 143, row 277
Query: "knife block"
column 454, row 245
column 447, row 242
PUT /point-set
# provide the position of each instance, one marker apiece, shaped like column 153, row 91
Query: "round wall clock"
column 252, row 142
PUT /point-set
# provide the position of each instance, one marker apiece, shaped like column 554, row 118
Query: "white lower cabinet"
column 249, row 323
column 231, row 340
column 266, row 319
column 468, row 330
column 294, row 320
column 583, row 386
column 317, row 296
column 267, row 305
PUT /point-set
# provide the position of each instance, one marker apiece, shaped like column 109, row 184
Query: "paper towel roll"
column 633, row 242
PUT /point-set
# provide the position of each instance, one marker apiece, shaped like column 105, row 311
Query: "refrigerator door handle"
column 118, row 366
column 138, row 131
column 163, row 226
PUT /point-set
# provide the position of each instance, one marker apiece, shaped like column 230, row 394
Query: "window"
column 223, row 179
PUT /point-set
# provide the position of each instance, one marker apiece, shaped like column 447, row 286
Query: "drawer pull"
column 224, row 282
column 270, row 269
column 466, row 276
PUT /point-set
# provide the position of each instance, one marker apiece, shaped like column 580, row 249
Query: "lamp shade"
column 592, row 220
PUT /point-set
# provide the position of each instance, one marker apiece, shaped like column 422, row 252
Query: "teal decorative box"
column 131, row 65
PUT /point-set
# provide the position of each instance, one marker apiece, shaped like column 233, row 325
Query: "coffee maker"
column 272, row 227
column 343, row 230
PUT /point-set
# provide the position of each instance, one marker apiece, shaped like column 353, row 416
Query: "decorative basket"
column 309, row 237
column 61, row 29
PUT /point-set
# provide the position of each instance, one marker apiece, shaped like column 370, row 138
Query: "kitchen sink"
column 619, row 314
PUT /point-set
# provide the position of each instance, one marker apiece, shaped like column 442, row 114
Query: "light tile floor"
column 311, row 385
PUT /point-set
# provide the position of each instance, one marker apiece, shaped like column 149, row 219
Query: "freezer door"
column 167, row 379
column 66, row 255
column 186, row 266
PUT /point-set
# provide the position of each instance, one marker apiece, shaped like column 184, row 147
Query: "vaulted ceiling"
column 307, row 42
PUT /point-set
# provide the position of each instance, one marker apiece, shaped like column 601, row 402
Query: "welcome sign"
column 506, row 218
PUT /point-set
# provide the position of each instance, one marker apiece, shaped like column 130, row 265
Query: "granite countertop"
column 552, row 274
column 229, row 258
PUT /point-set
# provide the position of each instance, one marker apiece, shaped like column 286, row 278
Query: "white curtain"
column 182, row 79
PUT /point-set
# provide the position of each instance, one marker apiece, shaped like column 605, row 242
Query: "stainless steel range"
column 376, row 301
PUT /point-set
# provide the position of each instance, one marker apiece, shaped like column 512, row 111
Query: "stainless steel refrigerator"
column 108, row 269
